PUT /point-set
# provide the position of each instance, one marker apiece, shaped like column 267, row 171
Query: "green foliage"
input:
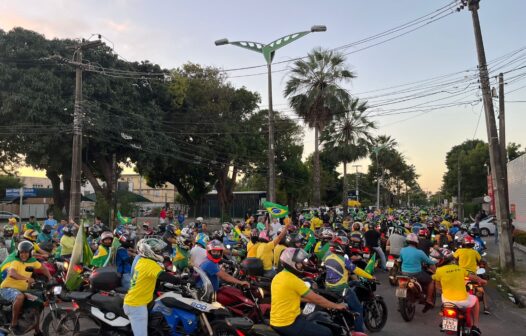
column 469, row 158
column 520, row 237
column 102, row 208
column 514, row 151
column 8, row 182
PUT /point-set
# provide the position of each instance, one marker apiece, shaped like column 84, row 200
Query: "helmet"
column 170, row 229
column 441, row 256
column 69, row 230
column 263, row 236
column 106, row 235
column 119, row 230
column 435, row 255
column 293, row 259
column 423, row 233
column 474, row 231
column 24, row 246
column 151, row 248
column 31, row 235
column 398, row 230
column 217, row 235
column 125, row 240
column 442, row 229
column 214, row 250
column 12, row 220
column 464, row 227
column 146, row 225
column 187, row 232
column 294, row 240
column 47, row 229
column 227, row 227
column 202, row 239
column 191, row 225
column 412, row 238
column 199, row 219
column 184, row 241
column 339, row 244
column 468, row 241
column 357, row 226
column 8, row 231
column 327, row 234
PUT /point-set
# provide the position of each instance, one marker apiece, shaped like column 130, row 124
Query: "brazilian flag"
column 123, row 220
column 276, row 210
column 371, row 264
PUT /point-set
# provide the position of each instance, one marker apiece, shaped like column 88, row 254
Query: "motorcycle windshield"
column 206, row 291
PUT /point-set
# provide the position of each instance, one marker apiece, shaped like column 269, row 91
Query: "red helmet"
column 338, row 244
column 214, row 250
column 468, row 240
column 423, row 232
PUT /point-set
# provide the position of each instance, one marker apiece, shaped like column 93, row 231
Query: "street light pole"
column 268, row 51
column 356, row 178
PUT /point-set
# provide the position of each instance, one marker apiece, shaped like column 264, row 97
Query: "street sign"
column 16, row 192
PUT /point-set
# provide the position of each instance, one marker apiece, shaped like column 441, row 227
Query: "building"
column 35, row 182
column 137, row 184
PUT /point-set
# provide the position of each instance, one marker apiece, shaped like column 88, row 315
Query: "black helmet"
column 24, row 246
column 47, row 229
column 474, row 231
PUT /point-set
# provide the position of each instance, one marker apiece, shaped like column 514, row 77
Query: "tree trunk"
column 66, row 182
column 316, row 197
column 224, row 193
column 58, row 201
column 181, row 189
column 345, row 187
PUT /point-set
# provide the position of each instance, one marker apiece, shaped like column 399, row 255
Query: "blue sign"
column 16, row 192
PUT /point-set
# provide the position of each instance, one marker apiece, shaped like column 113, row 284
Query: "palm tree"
column 315, row 94
column 349, row 135
column 382, row 142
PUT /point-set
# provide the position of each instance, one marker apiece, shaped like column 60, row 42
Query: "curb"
column 520, row 297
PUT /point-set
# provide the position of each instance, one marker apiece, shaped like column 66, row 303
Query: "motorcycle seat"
column 80, row 296
column 121, row 290
column 109, row 303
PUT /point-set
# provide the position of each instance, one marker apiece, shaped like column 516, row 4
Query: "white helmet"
column 412, row 238
column 151, row 248
column 199, row 219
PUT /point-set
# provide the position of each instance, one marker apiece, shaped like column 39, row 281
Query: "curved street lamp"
column 268, row 51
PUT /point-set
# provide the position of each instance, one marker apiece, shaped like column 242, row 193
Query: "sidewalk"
column 515, row 281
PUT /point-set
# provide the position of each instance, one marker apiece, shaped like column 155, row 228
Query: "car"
column 487, row 226
column 5, row 215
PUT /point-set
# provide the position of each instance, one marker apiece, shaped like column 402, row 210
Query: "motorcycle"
column 393, row 267
column 455, row 320
column 409, row 292
column 244, row 302
column 474, row 288
column 181, row 310
column 374, row 307
column 40, row 294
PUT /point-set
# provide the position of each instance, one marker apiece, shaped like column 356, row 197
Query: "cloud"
column 119, row 27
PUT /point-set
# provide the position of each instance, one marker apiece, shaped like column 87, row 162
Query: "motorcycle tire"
column 407, row 309
column 221, row 328
column 52, row 326
column 392, row 276
column 375, row 314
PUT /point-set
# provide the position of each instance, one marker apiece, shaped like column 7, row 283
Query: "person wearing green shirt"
column 32, row 225
column 104, row 250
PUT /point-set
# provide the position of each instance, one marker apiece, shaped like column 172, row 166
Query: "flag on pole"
column 81, row 255
column 371, row 264
column 276, row 210
column 123, row 220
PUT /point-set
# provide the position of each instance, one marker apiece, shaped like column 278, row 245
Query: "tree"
column 469, row 159
column 9, row 181
column 315, row 93
column 514, row 151
column 348, row 137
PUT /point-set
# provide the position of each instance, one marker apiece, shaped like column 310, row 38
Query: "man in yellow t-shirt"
column 315, row 223
column 18, row 280
column 287, row 291
column 451, row 278
column 146, row 270
column 467, row 257
column 265, row 251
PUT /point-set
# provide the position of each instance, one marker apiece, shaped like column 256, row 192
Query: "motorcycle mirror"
column 445, row 246
column 481, row 271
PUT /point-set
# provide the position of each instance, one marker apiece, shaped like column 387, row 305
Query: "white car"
column 5, row 215
column 486, row 226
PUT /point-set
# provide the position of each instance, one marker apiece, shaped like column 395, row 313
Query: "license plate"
column 449, row 324
column 309, row 308
column 366, row 255
column 401, row 292
column 389, row 264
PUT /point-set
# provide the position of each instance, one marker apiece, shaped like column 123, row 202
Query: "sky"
column 172, row 33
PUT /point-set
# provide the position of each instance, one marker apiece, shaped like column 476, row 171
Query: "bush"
column 519, row 237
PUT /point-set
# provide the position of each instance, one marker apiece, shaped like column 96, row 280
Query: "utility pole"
column 76, row 153
column 377, row 182
column 460, row 212
column 507, row 260
column 357, row 177
column 502, row 139
column 271, row 156
column 113, row 186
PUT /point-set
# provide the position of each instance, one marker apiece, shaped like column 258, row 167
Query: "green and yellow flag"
column 371, row 264
column 276, row 210
column 123, row 220
column 81, row 255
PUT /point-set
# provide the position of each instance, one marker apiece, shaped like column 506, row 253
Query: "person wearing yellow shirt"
column 146, row 271
column 18, row 281
column 451, row 278
column 316, row 223
column 67, row 241
column 287, row 291
column 253, row 244
column 277, row 253
column 265, row 251
column 346, row 223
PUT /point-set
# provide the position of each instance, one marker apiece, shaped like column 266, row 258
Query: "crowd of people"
column 422, row 239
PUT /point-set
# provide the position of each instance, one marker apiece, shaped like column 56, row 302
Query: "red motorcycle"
column 245, row 302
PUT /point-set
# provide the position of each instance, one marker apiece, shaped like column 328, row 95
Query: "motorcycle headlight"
column 57, row 290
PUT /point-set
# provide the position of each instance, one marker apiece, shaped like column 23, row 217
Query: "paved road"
column 506, row 318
